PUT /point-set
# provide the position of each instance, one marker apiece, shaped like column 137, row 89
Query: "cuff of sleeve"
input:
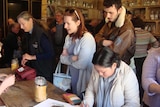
column 101, row 42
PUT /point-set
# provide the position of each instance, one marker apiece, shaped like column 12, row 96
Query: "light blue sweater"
column 85, row 49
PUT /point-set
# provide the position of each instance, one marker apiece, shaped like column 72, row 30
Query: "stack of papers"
column 51, row 103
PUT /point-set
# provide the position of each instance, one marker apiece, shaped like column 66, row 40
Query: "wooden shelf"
column 151, row 21
column 88, row 8
column 144, row 11
column 63, row 6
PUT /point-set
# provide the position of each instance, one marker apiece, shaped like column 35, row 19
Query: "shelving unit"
column 88, row 8
column 148, row 10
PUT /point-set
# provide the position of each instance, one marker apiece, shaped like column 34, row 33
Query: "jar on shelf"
column 66, row 3
column 49, row 1
column 153, row 2
column 147, row 2
column 156, row 15
column 152, row 15
column 58, row 2
column 84, row 4
column 92, row 5
column 153, row 28
column 69, row 3
column 149, row 28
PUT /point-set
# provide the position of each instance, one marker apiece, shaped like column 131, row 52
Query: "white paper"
column 51, row 102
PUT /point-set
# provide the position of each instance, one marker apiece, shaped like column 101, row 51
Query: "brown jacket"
column 124, row 40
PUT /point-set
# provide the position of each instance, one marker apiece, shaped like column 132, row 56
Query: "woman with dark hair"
column 78, row 50
column 144, row 41
column 112, row 84
column 38, row 49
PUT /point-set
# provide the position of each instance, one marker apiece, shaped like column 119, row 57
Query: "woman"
column 151, row 79
column 78, row 50
column 144, row 41
column 38, row 49
column 113, row 83
column 7, row 81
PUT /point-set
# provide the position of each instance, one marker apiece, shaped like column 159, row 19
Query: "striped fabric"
column 143, row 39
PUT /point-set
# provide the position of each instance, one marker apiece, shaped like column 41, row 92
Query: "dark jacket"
column 38, row 43
column 64, row 32
column 9, row 45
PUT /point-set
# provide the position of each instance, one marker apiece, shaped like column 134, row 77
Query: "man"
column 118, row 32
column 58, row 33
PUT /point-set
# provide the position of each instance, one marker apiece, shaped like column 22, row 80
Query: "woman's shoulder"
column 87, row 35
column 125, row 68
column 154, row 54
column 154, row 51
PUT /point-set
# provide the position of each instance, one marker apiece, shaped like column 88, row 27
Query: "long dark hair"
column 106, row 57
column 76, row 15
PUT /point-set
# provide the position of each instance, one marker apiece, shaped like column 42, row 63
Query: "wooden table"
column 22, row 93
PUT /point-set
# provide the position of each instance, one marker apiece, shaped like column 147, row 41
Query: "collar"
column 121, row 18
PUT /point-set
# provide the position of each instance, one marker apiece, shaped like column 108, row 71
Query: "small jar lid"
column 41, row 81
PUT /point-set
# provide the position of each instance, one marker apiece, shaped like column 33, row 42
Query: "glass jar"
column 156, row 15
column 152, row 15
column 40, row 89
column 14, row 64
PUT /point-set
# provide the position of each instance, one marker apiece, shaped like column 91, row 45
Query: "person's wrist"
column 101, row 42
column 33, row 57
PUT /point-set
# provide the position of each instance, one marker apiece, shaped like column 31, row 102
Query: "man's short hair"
column 138, row 22
column 109, row 3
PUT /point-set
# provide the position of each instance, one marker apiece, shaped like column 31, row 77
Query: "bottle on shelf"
column 156, row 15
column 152, row 15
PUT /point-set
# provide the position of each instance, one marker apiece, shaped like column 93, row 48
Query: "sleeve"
column 11, row 41
column 47, row 48
column 99, row 37
column 154, row 41
column 131, row 90
column 90, row 94
column 123, row 42
column 66, row 59
column 149, row 71
column 67, row 42
column 86, row 49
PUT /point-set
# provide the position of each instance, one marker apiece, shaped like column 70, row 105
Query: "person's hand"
column 23, row 62
column 107, row 43
column 53, row 29
column 83, row 105
column 27, row 57
column 65, row 52
column 8, row 81
column 74, row 58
